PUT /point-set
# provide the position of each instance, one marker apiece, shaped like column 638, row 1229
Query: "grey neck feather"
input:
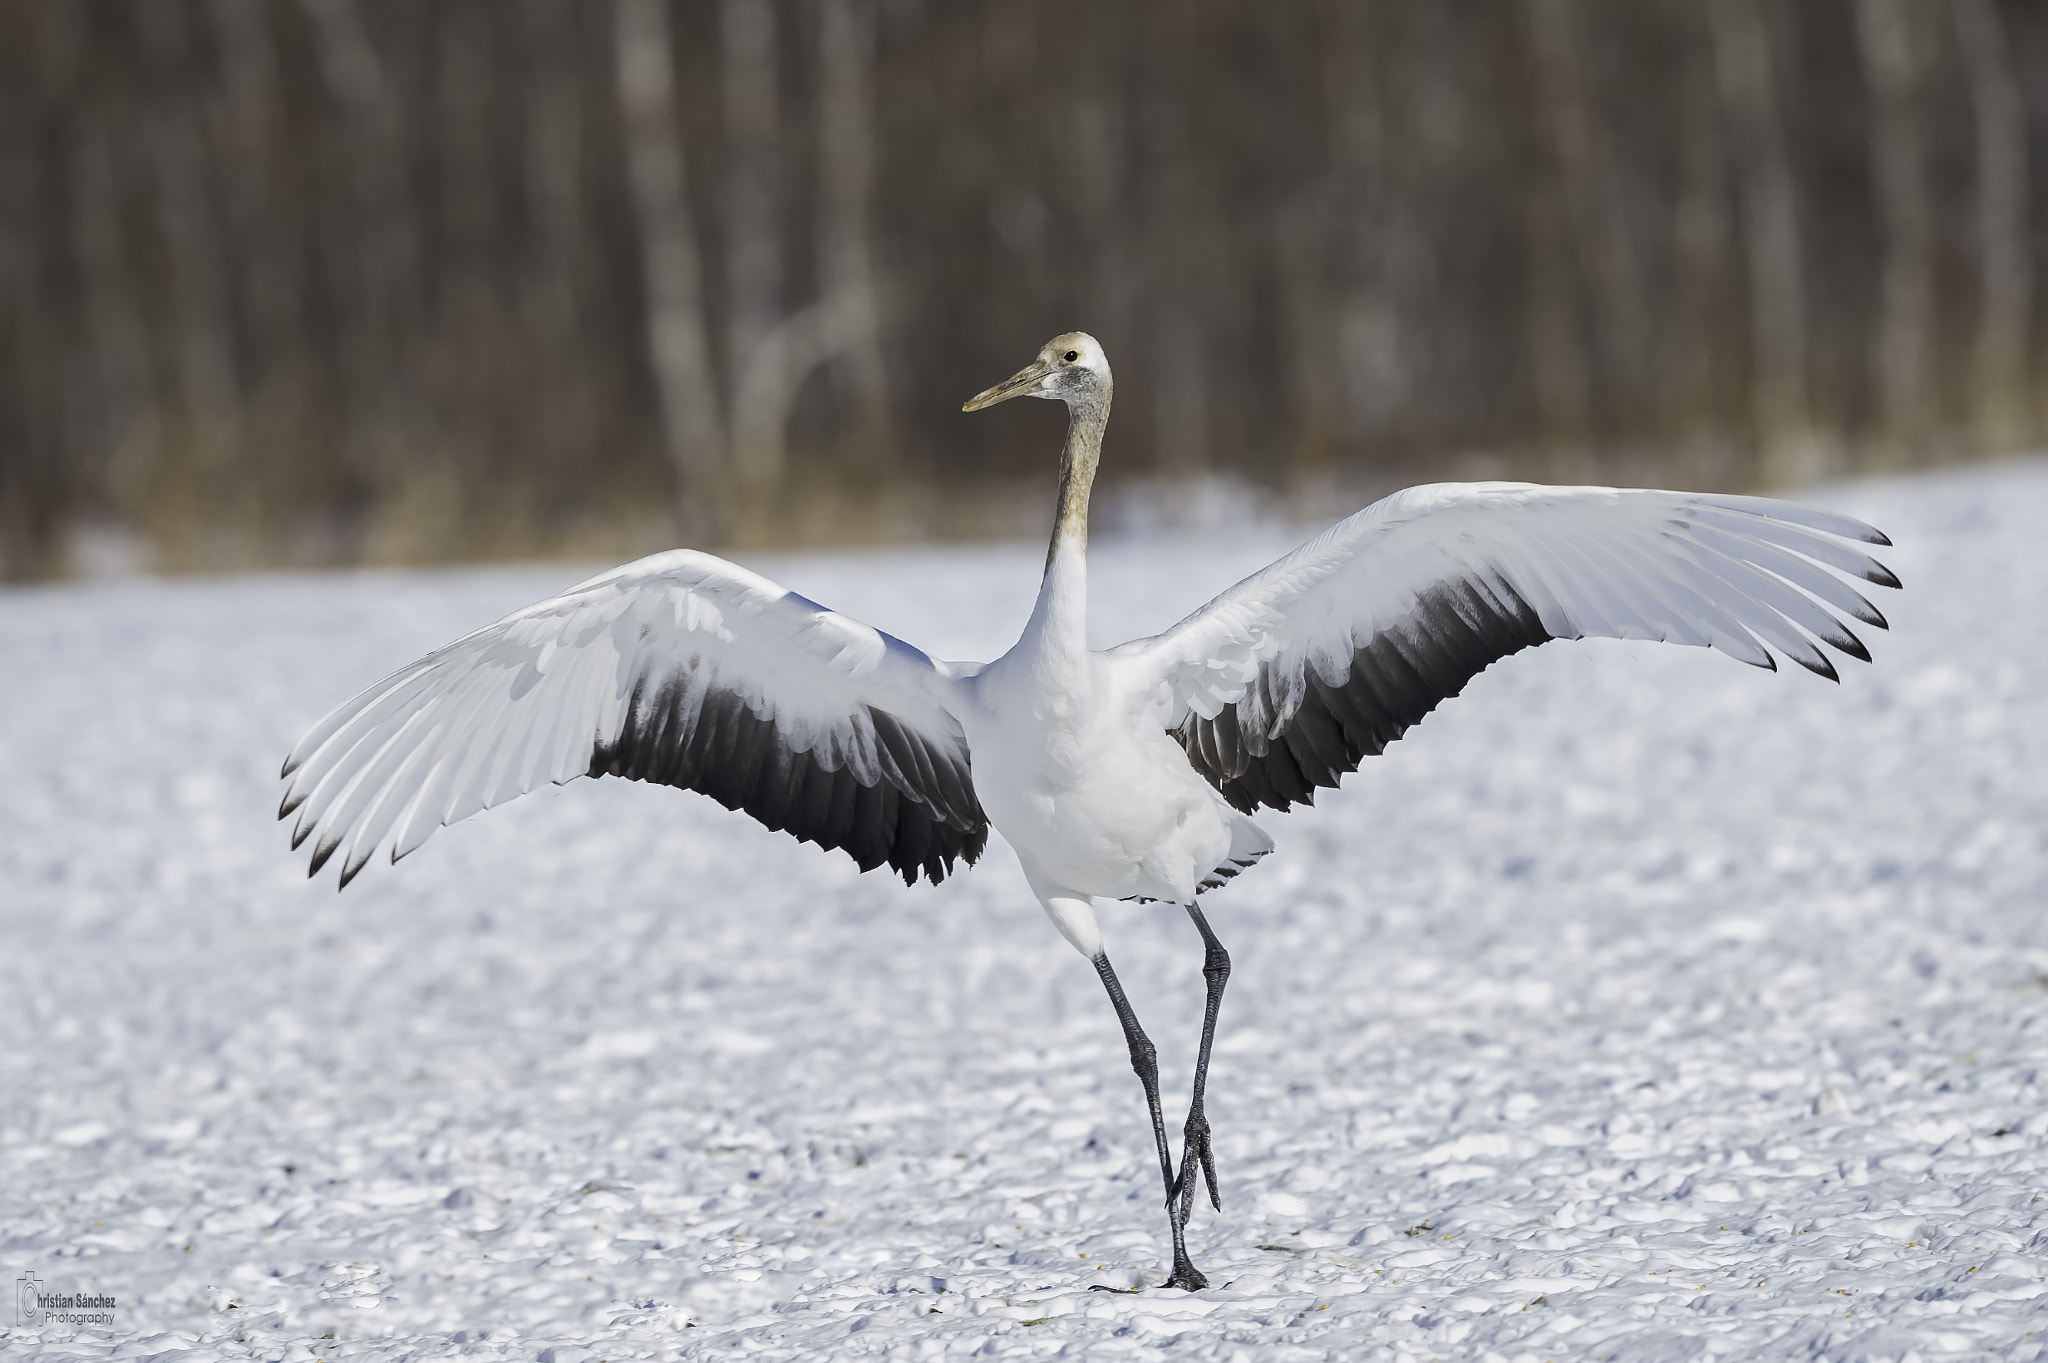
column 1087, row 416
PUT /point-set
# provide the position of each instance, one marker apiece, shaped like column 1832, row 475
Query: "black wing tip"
column 1819, row 665
column 291, row 801
column 1882, row 576
column 323, row 852
column 290, row 766
column 1763, row 508
column 1851, row 645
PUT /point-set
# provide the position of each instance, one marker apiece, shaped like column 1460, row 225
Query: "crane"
column 1129, row 773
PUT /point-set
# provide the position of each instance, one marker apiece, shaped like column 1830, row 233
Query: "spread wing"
column 1290, row 678
column 681, row 669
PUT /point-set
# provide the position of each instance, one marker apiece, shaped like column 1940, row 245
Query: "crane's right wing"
column 1287, row 680
column 681, row 669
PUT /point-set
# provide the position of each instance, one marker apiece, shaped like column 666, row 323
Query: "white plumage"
column 1117, row 774
column 681, row 668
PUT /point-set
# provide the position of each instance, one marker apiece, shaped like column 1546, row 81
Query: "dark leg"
column 1195, row 1153
column 1144, row 1059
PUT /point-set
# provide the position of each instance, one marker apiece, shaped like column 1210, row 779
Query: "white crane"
column 1122, row 774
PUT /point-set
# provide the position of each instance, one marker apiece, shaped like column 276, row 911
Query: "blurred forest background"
column 336, row 281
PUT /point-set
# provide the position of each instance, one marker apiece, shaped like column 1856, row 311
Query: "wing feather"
column 1837, row 556
column 680, row 669
column 1286, row 681
column 1756, row 617
column 1773, row 592
column 397, row 796
column 1801, row 573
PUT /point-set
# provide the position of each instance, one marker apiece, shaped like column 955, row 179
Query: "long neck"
column 1085, row 423
column 1060, row 620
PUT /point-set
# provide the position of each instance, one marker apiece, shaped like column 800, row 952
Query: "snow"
column 1638, row 1005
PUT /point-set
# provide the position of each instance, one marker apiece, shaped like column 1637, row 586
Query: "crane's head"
column 1069, row 368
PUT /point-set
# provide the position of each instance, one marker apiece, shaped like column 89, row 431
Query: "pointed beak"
column 1020, row 384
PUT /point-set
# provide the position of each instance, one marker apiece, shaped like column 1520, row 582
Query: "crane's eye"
column 1073, row 355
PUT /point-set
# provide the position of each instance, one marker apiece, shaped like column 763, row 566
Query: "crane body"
column 1073, row 767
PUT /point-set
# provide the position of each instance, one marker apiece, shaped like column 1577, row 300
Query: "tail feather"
column 1248, row 843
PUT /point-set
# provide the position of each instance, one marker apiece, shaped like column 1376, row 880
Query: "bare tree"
column 848, row 277
column 120, row 369
column 197, row 336
column 841, row 326
column 1556, row 353
column 2005, row 266
column 1703, row 245
column 1183, row 222
column 753, row 236
column 332, row 280
column 789, row 353
column 37, row 497
column 1092, row 129
column 379, row 293
column 678, row 339
column 550, row 301
column 247, row 126
column 1894, row 63
column 1746, row 71
column 1336, row 250
column 1591, row 184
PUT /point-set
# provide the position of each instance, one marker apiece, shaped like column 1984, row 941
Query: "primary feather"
column 1286, row 681
column 681, row 669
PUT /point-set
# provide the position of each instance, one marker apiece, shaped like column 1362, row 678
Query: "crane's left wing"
column 681, row 669
column 1287, row 680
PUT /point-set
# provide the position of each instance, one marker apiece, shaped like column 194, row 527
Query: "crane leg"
column 1197, row 1161
column 1144, row 1060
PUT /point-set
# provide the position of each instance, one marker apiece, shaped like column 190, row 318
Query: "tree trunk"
column 38, row 492
column 1590, row 190
column 1182, row 223
column 2005, row 268
column 1091, row 139
column 678, row 341
column 122, row 383
column 559, row 340
column 380, row 294
column 846, row 168
column 1557, row 353
column 250, row 121
column 1698, row 370
column 1744, row 69
column 114, row 414
column 753, row 236
column 196, row 491
column 1334, row 250
column 1894, row 62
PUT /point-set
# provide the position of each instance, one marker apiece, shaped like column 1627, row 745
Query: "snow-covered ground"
column 1639, row 1005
